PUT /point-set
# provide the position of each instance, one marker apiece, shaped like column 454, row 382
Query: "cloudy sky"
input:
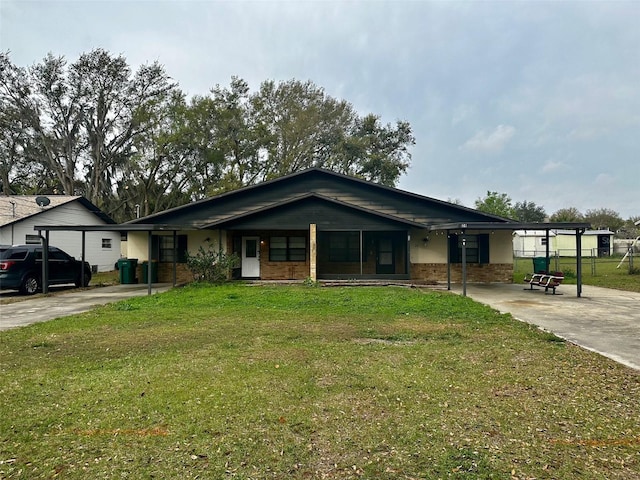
column 539, row 100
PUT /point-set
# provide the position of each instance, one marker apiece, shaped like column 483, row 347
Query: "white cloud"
column 493, row 141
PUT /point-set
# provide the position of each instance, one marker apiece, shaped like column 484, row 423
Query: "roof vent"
column 43, row 201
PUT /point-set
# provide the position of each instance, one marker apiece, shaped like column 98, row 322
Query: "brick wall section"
column 437, row 272
column 165, row 273
column 431, row 272
column 284, row 270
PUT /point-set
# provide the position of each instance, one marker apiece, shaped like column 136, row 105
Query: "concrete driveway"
column 603, row 320
column 41, row 308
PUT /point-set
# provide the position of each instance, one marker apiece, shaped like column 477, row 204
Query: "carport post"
column 45, row 262
column 579, row 261
column 448, row 261
column 84, row 234
column 548, row 261
column 464, row 264
column 175, row 256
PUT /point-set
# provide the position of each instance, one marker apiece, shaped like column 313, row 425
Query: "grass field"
column 300, row 382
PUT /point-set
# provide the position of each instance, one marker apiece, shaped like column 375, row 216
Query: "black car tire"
column 87, row 279
column 30, row 285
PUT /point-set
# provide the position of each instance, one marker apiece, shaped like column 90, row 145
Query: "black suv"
column 21, row 268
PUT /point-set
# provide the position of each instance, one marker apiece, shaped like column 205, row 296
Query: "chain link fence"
column 565, row 261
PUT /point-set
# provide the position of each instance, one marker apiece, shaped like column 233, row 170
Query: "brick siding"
column 486, row 273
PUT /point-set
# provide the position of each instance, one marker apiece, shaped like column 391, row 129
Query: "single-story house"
column 322, row 225
column 562, row 242
column 19, row 214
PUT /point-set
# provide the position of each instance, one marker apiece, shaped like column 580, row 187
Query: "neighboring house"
column 321, row 225
column 595, row 243
column 20, row 213
column 532, row 243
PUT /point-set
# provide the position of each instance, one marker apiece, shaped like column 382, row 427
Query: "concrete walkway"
column 41, row 308
column 603, row 320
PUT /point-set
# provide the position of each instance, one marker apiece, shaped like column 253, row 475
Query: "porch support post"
column 579, row 262
column 175, row 257
column 313, row 252
column 149, row 253
column 361, row 253
column 408, row 255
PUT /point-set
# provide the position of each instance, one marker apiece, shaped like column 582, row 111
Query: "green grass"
column 599, row 272
column 105, row 278
column 294, row 382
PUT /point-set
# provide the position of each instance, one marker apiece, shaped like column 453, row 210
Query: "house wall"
column 137, row 247
column 70, row 241
column 433, row 251
column 429, row 260
column 500, row 251
column 280, row 270
column 488, row 273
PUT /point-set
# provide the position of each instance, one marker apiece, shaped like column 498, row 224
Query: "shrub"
column 212, row 265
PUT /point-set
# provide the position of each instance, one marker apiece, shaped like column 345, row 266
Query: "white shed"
column 532, row 243
column 20, row 213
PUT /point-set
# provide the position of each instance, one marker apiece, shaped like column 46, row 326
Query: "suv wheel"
column 87, row 279
column 30, row 285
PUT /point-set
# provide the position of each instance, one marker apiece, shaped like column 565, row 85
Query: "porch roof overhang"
column 463, row 227
column 509, row 226
column 120, row 227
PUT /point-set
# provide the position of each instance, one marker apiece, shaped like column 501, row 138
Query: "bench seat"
column 549, row 281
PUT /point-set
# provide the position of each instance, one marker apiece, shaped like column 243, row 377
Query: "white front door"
column 251, row 257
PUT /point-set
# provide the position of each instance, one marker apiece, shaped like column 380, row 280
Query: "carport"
column 149, row 228
column 463, row 228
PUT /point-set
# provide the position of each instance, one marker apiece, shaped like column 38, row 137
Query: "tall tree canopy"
column 603, row 218
column 569, row 214
column 123, row 138
column 528, row 212
column 496, row 204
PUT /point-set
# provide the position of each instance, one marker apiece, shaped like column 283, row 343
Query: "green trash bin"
column 540, row 264
column 145, row 271
column 127, row 268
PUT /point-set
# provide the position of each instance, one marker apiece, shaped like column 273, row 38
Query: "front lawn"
column 255, row 382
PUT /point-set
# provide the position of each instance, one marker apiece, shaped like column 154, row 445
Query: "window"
column 472, row 248
column 543, row 241
column 344, row 246
column 106, row 243
column 477, row 248
column 287, row 249
column 162, row 246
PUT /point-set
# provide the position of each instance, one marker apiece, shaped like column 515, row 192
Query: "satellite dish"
column 43, row 201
